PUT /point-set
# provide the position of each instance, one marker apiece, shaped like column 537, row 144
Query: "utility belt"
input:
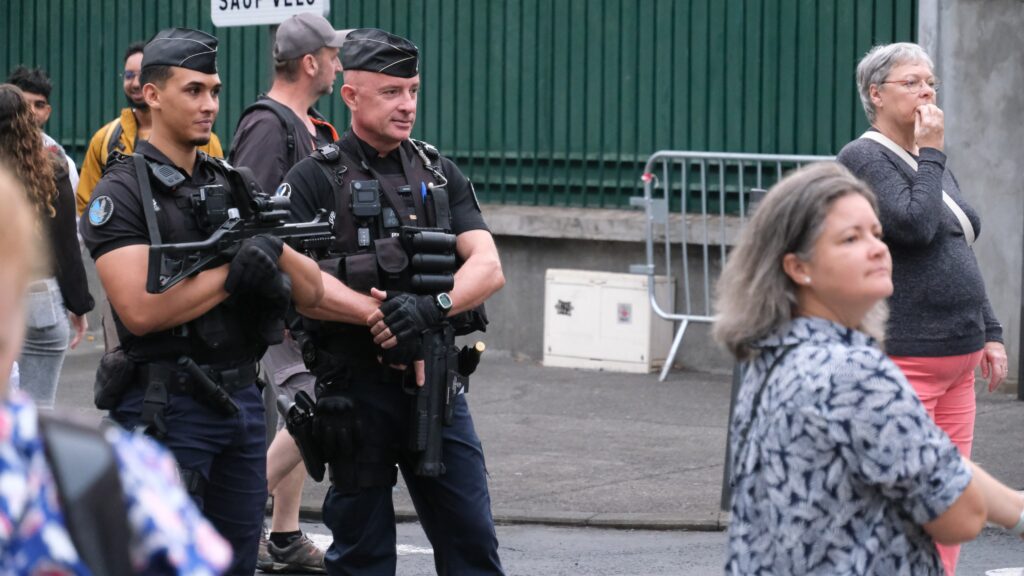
column 210, row 385
column 231, row 378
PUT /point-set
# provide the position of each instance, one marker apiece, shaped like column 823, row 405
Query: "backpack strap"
column 111, row 141
column 285, row 116
column 85, row 470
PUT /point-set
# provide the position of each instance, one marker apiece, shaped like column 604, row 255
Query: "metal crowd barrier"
column 700, row 199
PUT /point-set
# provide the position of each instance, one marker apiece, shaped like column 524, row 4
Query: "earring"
column 807, row 279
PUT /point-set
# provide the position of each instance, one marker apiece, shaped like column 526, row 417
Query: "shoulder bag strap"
column 896, row 149
column 89, row 486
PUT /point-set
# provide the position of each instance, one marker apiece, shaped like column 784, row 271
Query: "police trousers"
column 454, row 508
column 224, row 456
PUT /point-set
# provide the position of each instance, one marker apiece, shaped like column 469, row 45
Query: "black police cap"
column 379, row 51
column 184, row 48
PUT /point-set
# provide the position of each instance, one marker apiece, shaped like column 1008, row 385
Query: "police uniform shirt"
column 311, row 191
column 115, row 219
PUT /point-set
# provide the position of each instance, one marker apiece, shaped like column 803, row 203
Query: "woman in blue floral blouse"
column 169, row 536
column 836, row 466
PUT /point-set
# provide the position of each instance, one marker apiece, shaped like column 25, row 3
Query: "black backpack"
column 292, row 129
column 85, row 469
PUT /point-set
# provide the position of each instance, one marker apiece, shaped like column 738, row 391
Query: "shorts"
column 302, row 381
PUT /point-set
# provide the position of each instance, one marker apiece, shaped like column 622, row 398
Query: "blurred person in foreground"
column 941, row 324
column 58, row 298
column 836, row 466
column 168, row 534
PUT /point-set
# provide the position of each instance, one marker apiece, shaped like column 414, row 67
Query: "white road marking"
column 324, row 540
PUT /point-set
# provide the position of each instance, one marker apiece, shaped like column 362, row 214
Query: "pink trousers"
column 945, row 385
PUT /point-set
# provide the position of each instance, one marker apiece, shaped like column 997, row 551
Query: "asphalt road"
column 530, row 550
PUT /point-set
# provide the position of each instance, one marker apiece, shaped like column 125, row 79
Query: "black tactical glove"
column 408, row 315
column 335, row 427
column 254, row 264
column 271, row 307
column 403, row 354
column 272, row 245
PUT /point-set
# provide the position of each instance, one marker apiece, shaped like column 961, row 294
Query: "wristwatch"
column 444, row 302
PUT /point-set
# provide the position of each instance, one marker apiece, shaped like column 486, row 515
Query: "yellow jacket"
column 100, row 145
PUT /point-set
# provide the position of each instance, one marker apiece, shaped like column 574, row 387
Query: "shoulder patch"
column 100, row 210
column 285, row 190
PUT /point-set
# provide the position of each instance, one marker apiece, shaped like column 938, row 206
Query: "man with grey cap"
column 279, row 129
column 186, row 370
column 368, row 337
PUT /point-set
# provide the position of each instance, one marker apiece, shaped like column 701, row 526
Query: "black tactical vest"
column 367, row 251
column 224, row 335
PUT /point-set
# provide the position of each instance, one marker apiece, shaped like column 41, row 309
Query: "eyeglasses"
column 130, row 75
column 916, row 85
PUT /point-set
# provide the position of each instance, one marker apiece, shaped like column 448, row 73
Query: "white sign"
column 226, row 13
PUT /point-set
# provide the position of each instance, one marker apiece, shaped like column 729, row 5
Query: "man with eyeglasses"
column 36, row 87
column 125, row 131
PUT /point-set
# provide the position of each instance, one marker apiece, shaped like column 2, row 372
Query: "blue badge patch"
column 100, row 211
column 285, row 189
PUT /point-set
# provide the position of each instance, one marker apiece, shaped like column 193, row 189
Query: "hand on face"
column 929, row 126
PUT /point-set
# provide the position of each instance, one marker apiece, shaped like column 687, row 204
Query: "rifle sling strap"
column 146, row 191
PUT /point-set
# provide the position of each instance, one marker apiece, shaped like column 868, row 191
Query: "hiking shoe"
column 301, row 556
column 264, row 561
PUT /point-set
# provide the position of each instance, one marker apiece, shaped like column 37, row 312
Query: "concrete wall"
column 531, row 240
column 978, row 48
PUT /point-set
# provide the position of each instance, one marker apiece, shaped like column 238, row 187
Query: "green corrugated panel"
column 549, row 102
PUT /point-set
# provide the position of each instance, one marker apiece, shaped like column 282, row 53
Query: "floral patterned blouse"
column 841, row 466
column 169, row 534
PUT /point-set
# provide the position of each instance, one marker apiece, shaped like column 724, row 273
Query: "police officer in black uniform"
column 377, row 182
column 186, row 371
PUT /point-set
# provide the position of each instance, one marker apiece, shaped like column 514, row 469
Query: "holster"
column 115, row 373
column 299, row 419
column 157, row 378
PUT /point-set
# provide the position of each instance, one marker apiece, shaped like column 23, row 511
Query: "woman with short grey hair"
column 941, row 324
column 835, row 465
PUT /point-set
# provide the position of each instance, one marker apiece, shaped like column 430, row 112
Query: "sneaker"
column 264, row 562
column 301, row 556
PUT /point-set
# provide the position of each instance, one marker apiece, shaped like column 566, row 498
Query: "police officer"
column 191, row 351
column 379, row 181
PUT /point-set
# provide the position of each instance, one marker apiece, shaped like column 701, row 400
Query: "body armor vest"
column 223, row 335
column 371, row 211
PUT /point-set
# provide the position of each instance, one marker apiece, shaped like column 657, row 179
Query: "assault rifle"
column 261, row 214
column 446, row 368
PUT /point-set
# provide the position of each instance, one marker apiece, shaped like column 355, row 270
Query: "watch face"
column 444, row 301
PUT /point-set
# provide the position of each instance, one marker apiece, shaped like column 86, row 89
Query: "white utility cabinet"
column 604, row 320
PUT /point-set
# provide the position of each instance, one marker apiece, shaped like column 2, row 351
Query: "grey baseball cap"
column 305, row 33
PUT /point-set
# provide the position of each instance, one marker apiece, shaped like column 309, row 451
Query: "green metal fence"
column 546, row 102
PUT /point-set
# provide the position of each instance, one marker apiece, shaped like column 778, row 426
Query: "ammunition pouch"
column 114, row 375
column 470, row 321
